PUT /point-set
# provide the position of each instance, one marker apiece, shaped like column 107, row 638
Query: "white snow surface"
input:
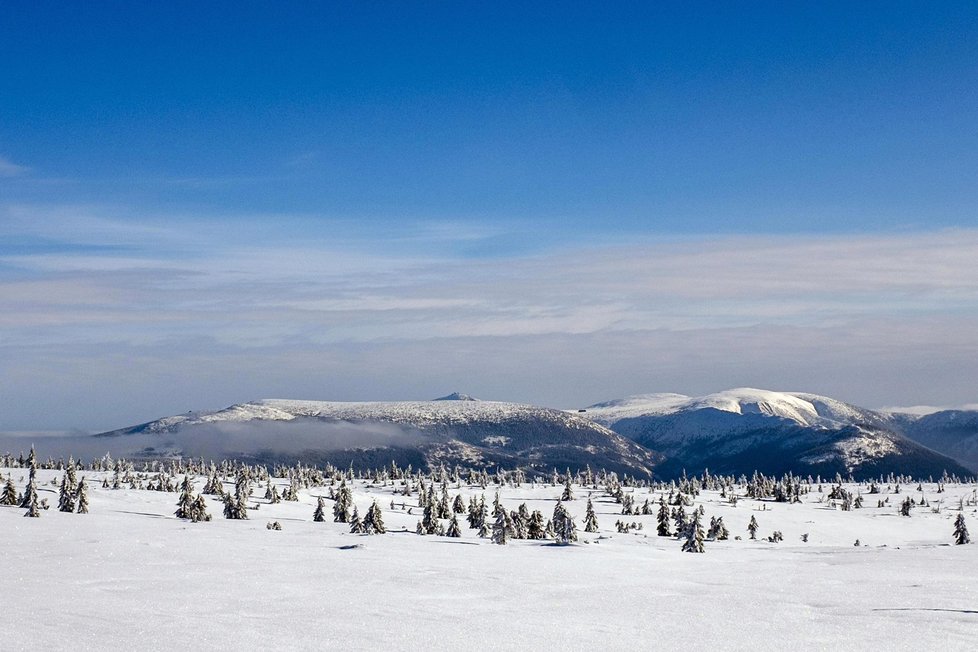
column 802, row 408
column 130, row 575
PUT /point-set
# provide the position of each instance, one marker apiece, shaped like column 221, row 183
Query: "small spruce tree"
column 30, row 492
column 694, row 535
column 198, row 510
column 356, row 525
column 320, row 514
column 373, row 523
column 961, row 531
column 662, row 520
column 568, row 492
column 9, row 496
column 454, row 530
column 565, row 530
column 81, row 496
column 344, row 500
column 502, row 529
column 590, row 519
column 752, row 527
column 718, row 531
column 186, row 500
column 33, row 510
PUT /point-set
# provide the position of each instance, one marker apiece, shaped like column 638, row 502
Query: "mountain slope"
column 743, row 429
column 952, row 432
column 423, row 433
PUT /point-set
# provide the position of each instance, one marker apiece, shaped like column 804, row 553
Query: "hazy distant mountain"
column 740, row 430
column 952, row 432
column 457, row 430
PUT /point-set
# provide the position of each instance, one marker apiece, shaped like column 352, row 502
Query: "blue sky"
column 207, row 203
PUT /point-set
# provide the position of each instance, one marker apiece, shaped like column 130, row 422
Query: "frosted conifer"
column 590, row 519
column 502, row 529
column 568, row 492
column 320, row 514
column 356, row 525
column 198, row 510
column 961, row 531
column 186, row 500
column 81, row 496
column 30, row 492
column 344, row 500
column 662, row 529
column 565, row 530
column 694, row 535
column 537, row 528
column 458, row 506
column 718, row 531
column 752, row 527
column 32, row 507
column 9, row 496
column 454, row 530
column 374, row 521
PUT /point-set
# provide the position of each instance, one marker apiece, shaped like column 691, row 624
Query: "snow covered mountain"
column 952, row 432
column 743, row 429
column 454, row 430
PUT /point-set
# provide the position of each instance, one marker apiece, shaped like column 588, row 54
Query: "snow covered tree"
column 502, row 529
column 679, row 516
column 590, row 519
column 565, row 529
column 9, row 495
column 430, row 517
column 30, row 492
column 568, row 492
column 752, row 527
column 344, row 501
column 213, row 486
column 186, row 500
column 537, row 528
column 356, row 525
column 521, row 523
column 454, row 530
column 235, row 508
column 66, row 494
column 458, row 506
column 273, row 496
column 496, row 506
column 373, row 523
column 81, row 497
column 662, row 520
column 718, row 531
column 198, row 510
column 32, row 507
column 320, row 514
column 906, row 506
column 961, row 531
column 694, row 535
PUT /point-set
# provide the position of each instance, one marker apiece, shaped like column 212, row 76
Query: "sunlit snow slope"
column 744, row 429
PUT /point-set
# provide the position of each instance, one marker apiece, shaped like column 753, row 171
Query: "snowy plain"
column 130, row 575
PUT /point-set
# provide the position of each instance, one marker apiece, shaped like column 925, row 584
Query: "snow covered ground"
column 129, row 575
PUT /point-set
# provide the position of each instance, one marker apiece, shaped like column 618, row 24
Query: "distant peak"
column 456, row 396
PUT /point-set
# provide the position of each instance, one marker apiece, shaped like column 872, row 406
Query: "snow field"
column 129, row 575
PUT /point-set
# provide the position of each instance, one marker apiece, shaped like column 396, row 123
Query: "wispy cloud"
column 10, row 169
column 220, row 299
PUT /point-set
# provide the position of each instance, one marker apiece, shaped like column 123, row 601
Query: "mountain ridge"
column 779, row 431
